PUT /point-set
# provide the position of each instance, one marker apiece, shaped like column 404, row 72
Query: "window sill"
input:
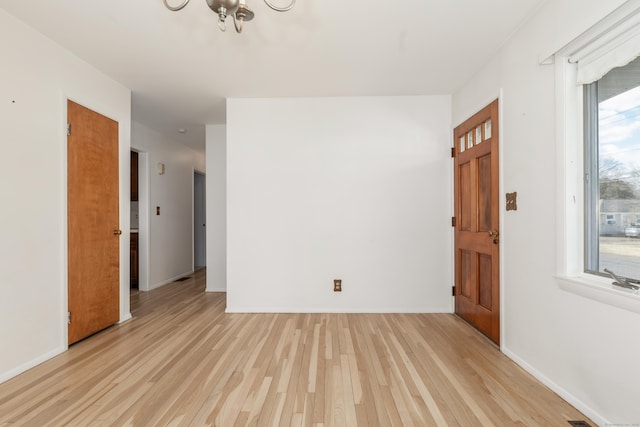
column 601, row 289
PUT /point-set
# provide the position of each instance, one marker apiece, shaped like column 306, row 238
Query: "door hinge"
column 453, row 221
column 453, row 291
column 68, row 129
column 453, row 152
column 68, row 317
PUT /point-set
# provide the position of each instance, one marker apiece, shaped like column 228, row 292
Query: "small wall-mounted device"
column 160, row 168
column 337, row 285
column 157, row 210
column 512, row 201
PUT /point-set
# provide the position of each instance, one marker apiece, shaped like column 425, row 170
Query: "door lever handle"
column 117, row 232
column 494, row 233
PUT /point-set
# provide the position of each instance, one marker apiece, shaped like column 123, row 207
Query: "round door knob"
column 494, row 233
column 117, row 232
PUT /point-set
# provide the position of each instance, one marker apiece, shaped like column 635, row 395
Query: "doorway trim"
column 143, row 219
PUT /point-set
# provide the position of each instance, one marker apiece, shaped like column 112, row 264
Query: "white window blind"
column 613, row 42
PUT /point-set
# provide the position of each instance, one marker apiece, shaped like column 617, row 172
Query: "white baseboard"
column 171, row 280
column 5, row 376
column 570, row 398
column 216, row 290
column 377, row 310
column 126, row 317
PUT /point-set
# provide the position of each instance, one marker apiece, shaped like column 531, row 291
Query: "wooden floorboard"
column 182, row 361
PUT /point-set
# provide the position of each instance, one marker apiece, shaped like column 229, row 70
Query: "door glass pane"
column 487, row 129
column 470, row 139
column 463, row 145
column 478, row 135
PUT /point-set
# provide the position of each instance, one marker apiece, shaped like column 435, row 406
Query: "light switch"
column 512, row 201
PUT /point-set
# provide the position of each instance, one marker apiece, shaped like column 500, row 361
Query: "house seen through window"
column 612, row 172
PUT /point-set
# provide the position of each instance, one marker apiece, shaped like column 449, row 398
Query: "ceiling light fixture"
column 236, row 8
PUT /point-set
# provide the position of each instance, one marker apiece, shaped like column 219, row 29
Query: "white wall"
column 216, row 153
column 585, row 350
column 36, row 78
column 171, row 246
column 357, row 189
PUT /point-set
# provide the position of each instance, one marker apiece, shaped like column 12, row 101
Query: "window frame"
column 591, row 194
column 571, row 197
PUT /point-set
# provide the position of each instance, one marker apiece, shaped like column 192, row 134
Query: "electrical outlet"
column 337, row 285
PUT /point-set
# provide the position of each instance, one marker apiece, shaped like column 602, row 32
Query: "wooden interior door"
column 93, row 222
column 477, row 239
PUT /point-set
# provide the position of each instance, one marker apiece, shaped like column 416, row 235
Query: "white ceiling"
column 181, row 68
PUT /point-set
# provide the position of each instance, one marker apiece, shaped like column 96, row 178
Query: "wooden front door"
column 93, row 222
column 477, row 239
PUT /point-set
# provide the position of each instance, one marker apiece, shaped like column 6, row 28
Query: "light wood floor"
column 182, row 361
